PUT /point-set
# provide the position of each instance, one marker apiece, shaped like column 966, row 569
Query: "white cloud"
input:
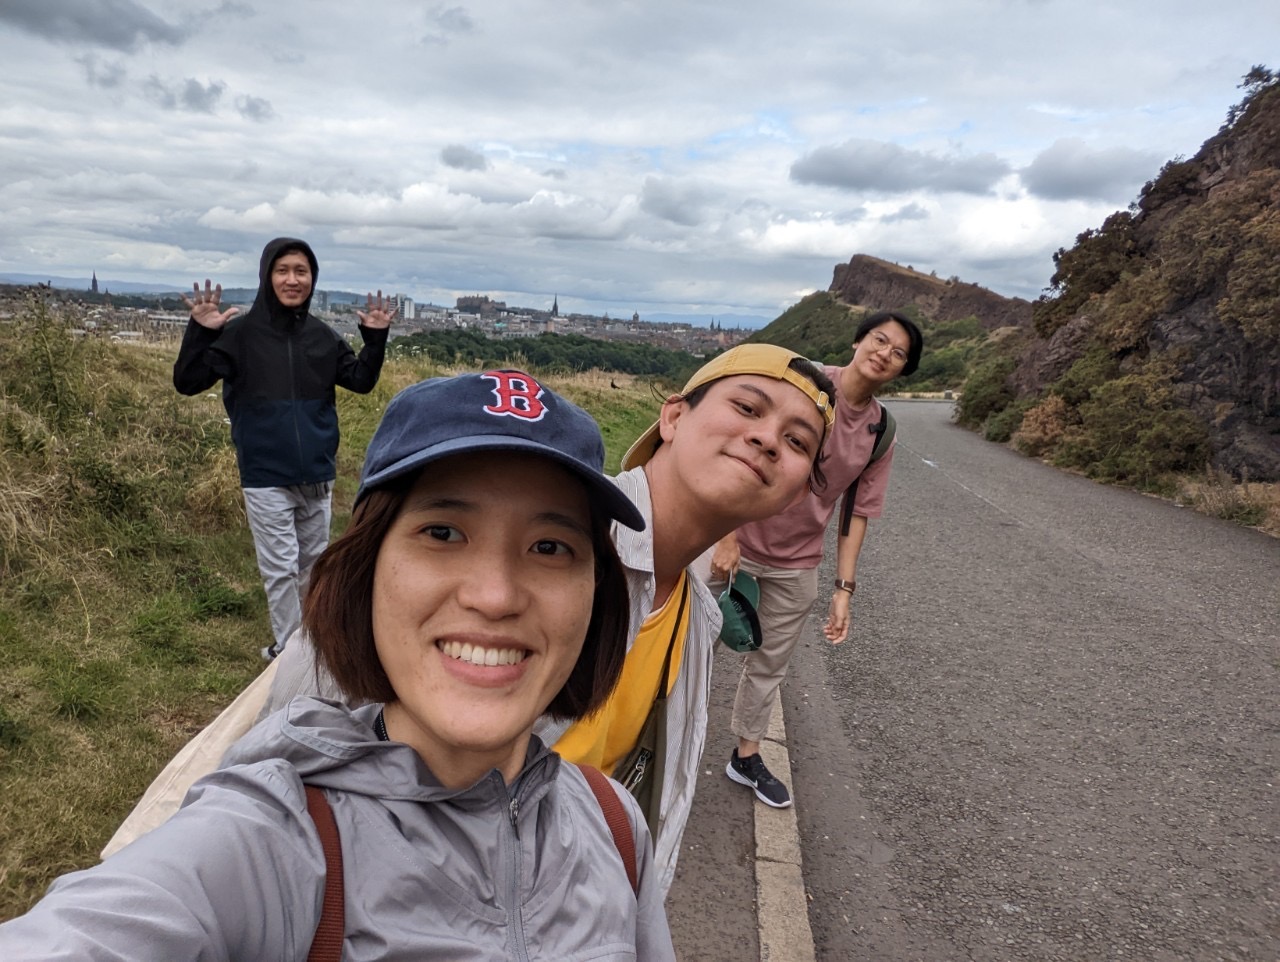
column 1069, row 169
column 591, row 150
column 869, row 165
column 118, row 24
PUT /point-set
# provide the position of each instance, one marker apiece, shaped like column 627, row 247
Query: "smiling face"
column 291, row 278
column 746, row 448
column 882, row 353
column 482, row 595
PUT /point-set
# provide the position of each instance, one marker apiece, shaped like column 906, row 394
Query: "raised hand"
column 380, row 312
column 204, row 307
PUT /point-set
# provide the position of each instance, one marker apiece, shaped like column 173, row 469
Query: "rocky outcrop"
column 1044, row 361
column 1190, row 285
column 1232, row 387
column 872, row 283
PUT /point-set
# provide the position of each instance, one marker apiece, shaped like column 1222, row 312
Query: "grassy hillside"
column 131, row 610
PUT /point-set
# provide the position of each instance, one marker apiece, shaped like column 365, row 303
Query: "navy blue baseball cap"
column 504, row 410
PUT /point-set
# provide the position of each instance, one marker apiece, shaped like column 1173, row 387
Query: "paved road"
column 1054, row 734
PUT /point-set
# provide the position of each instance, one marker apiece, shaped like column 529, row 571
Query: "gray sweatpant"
column 290, row 529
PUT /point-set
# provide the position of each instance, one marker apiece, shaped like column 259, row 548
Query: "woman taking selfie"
column 475, row 590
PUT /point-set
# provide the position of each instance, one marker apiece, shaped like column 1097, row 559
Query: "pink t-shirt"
column 793, row 539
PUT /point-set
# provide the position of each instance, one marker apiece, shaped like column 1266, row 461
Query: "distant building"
column 480, row 304
column 94, row 286
column 408, row 310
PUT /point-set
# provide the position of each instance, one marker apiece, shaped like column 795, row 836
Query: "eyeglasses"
column 879, row 342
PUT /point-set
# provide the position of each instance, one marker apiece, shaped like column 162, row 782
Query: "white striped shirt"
column 689, row 698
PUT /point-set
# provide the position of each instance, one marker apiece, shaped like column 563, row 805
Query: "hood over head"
column 266, row 300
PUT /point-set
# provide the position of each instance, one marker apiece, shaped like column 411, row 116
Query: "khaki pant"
column 786, row 595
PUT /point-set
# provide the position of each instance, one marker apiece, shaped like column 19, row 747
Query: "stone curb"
column 782, row 906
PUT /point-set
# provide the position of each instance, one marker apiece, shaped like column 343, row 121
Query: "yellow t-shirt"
column 602, row 739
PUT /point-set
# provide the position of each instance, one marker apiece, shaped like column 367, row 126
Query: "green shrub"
column 999, row 427
column 1092, row 266
column 1253, row 282
column 47, row 369
column 1129, row 310
column 1131, row 431
column 938, row 370
column 986, row 392
column 1090, row 371
column 948, row 332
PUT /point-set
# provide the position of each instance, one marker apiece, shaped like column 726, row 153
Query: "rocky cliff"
column 1187, row 284
column 872, row 283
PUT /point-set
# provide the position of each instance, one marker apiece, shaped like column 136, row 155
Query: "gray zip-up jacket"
column 489, row 872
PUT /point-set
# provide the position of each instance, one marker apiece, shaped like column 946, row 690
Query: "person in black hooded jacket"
column 279, row 365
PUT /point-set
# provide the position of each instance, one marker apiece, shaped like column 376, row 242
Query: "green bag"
column 643, row 769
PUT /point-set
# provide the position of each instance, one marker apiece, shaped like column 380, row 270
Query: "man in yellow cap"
column 742, row 440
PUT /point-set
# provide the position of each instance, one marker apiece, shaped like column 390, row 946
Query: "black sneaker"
column 751, row 771
column 270, row 653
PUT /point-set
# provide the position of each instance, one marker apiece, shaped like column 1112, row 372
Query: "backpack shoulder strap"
column 327, row 944
column 615, row 817
column 884, row 430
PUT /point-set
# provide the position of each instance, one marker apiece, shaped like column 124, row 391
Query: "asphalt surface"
column 1054, row 733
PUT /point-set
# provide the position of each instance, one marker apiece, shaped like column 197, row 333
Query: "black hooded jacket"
column 279, row 367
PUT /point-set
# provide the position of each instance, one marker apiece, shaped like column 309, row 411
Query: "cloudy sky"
column 671, row 156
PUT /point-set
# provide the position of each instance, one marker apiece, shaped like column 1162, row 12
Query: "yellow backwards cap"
column 767, row 360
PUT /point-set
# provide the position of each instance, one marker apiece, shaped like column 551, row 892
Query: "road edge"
column 782, row 905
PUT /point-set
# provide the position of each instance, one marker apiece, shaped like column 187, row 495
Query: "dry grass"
column 1249, row 503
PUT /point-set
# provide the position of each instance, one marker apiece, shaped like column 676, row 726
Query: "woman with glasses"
column 783, row 552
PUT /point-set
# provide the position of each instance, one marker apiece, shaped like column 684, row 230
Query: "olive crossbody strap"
column 327, row 944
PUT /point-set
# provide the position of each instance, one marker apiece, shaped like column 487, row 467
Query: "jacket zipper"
column 293, row 406
column 515, row 917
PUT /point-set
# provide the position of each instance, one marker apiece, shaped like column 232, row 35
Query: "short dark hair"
column 814, row 373
column 872, row 321
column 338, row 610
column 295, row 249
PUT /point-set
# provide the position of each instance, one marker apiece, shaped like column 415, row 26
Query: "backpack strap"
column 884, row 430
column 615, row 817
column 327, row 944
